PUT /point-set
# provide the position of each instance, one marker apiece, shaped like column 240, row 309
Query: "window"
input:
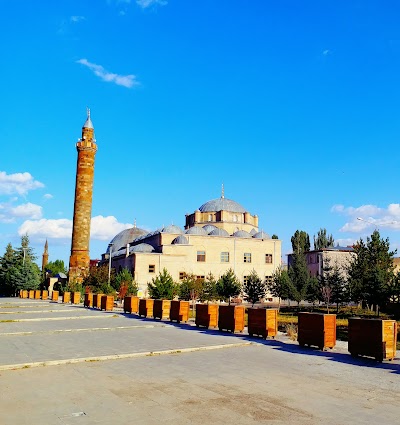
column 268, row 258
column 235, row 218
column 268, row 279
column 247, row 257
column 244, row 280
column 224, row 257
column 210, row 217
column 201, row 256
column 201, row 277
column 152, row 268
column 181, row 275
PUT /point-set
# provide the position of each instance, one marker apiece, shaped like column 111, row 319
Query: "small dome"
column 261, row 235
column 241, row 234
column 180, row 240
column 219, row 232
column 142, row 247
column 220, row 204
column 209, row 228
column 196, row 231
column 172, row 229
column 126, row 236
column 253, row 232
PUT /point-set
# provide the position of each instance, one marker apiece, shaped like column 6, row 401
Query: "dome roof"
column 209, row 228
column 180, row 240
column 126, row 236
column 253, row 232
column 261, row 235
column 241, row 234
column 142, row 247
column 219, row 232
column 196, row 231
column 222, row 204
column 172, row 229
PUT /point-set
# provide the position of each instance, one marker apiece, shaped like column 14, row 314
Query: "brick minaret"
column 86, row 147
column 45, row 257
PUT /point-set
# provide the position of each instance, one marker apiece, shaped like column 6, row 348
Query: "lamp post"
column 376, row 224
column 23, row 261
column 110, row 245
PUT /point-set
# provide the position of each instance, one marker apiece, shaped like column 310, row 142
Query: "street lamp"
column 110, row 245
column 376, row 224
column 23, row 261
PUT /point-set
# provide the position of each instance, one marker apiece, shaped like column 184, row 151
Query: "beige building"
column 218, row 236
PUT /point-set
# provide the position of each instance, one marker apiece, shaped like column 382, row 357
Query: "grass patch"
column 8, row 321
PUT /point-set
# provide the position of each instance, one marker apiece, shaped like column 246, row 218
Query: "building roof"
column 126, row 236
column 222, row 204
column 180, row 240
column 196, row 231
column 261, row 235
column 88, row 122
column 142, row 247
column 241, row 234
column 219, row 232
column 209, row 228
column 172, row 228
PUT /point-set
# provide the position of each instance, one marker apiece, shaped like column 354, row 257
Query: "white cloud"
column 47, row 196
column 121, row 80
column 326, row 52
column 147, row 3
column 102, row 228
column 77, row 18
column 20, row 183
column 369, row 216
column 8, row 213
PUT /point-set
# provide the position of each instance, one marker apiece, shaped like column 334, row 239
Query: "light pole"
column 110, row 245
column 376, row 224
column 23, row 261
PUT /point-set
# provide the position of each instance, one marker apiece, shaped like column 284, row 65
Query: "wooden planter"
column 45, row 295
column 88, row 302
column 161, row 309
column 231, row 318
column 262, row 321
column 31, row 294
column 146, row 307
column 54, row 296
column 131, row 304
column 24, row 293
column 317, row 329
column 372, row 337
column 179, row 311
column 66, row 297
column 75, row 298
column 107, row 302
column 207, row 315
column 37, row 294
column 97, row 300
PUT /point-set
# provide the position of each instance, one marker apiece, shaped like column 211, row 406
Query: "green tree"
column 333, row 283
column 125, row 284
column 254, row 288
column 190, row 287
column 97, row 279
column 313, row 290
column 280, row 285
column 299, row 276
column 7, row 262
column 300, row 242
column 371, row 271
column 228, row 286
column 209, row 290
column 322, row 240
column 162, row 286
column 25, row 276
column 55, row 267
column 274, row 236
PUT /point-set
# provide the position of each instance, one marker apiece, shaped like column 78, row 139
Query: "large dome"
column 222, row 204
column 126, row 236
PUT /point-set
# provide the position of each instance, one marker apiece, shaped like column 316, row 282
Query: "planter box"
column 97, row 300
column 37, row 294
column 66, row 297
column 146, row 307
column 207, row 315
column 373, row 337
column 262, row 321
column 54, row 296
column 107, row 302
column 179, row 311
column 317, row 329
column 88, row 302
column 24, row 293
column 161, row 309
column 231, row 318
column 75, row 298
column 31, row 294
column 45, row 295
column 131, row 304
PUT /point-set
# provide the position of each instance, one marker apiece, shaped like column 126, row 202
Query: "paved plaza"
column 64, row 364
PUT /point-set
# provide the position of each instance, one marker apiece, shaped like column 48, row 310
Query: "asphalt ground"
column 64, row 364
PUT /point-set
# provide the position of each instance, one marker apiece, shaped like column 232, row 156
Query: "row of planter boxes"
column 100, row 301
column 36, row 294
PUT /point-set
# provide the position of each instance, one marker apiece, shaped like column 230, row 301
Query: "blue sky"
column 293, row 106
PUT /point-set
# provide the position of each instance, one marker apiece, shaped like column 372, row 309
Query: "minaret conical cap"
column 88, row 122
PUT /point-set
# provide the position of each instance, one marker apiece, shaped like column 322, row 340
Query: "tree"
column 55, row 267
column 313, row 290
column 299, row 277
column 371, row 271
column 300, row 242
column 25, row 276
column 254, row 288
column 97, row 279
column 7, row 261
column 125, row 284
column 333, row 283
column 190, row 287
column 323, row 240
column 228, row 286
column 209, row 290
column 162, row 286
column 280, row 285
column 274, row 236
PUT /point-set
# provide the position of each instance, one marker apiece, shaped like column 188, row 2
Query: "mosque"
column 220, row 235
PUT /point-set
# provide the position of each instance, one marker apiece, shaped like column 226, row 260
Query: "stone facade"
column 86, row 147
